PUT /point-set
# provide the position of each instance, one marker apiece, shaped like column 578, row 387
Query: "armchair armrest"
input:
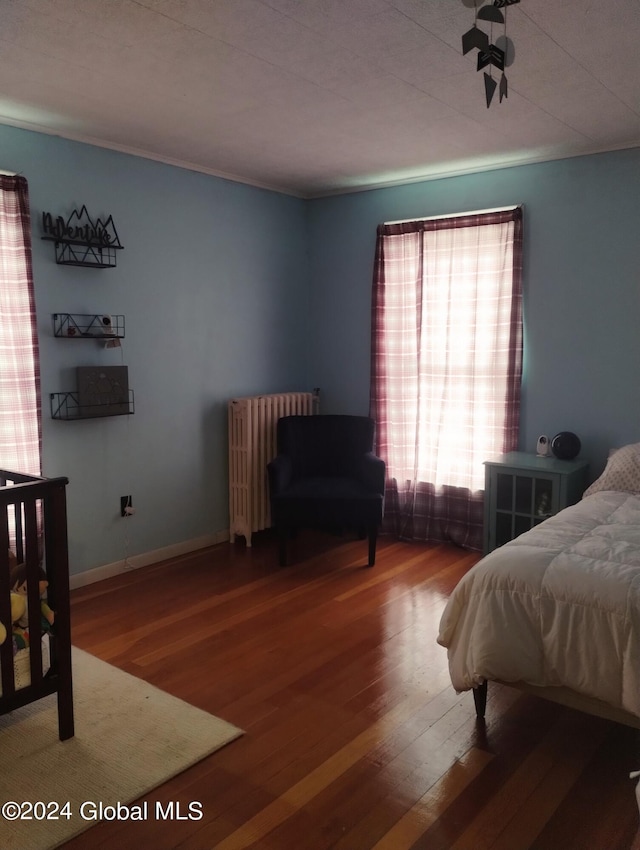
column 279, row 472
column 371, row 472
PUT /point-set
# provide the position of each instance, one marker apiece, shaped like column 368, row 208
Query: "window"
column 20, row 411
column 446, row 366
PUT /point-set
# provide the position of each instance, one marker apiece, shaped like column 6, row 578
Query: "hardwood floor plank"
column 366, row 801
column 421, row 558
column 354, row 736
column 315, row 781
column 519, row 811
column 428, row 809
column 603, row 789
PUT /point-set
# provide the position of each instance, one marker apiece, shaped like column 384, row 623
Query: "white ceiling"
column 312, row 97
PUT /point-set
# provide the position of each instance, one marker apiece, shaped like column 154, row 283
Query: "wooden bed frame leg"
column 480, row 699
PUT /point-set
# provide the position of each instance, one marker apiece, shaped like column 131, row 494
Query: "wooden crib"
column 33, row 526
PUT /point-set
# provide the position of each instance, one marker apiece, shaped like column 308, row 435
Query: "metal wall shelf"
column 80, row 241
column 65, row 406
column 88, row 326
column 85, row 256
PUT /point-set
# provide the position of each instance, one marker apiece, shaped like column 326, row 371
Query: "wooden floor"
column 354, row 737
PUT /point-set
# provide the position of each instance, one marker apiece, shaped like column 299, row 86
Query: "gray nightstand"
column 522, row 490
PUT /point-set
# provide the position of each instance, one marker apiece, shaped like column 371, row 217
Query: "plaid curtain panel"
column 20, row 406
column 446, row 367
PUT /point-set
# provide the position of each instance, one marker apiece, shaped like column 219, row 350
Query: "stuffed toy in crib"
column 18, row 583
column 18, row 609
column 18, row 631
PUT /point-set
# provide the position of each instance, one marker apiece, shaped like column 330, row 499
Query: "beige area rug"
column 130, row 738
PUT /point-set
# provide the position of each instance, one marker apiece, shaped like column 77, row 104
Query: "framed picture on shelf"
column 103, row 390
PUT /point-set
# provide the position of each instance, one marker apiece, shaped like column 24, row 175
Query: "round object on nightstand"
column 566, row 445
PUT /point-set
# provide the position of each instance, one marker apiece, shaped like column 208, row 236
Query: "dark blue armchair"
column 326, row 476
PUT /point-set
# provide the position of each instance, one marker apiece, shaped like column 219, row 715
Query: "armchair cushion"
column 328, row 501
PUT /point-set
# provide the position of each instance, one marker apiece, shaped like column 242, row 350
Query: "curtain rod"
column 456, row 215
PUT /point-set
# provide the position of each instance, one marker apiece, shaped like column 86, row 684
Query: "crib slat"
column 32, row 563
column 56, row 546
column 6, row 650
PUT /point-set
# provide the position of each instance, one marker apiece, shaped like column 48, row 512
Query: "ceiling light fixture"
column 491, row 54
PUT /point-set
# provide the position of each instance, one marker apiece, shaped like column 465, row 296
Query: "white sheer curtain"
column 447, row 354
column 20, row 410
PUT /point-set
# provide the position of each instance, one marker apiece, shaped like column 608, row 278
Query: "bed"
column 35, row 655
column 556, row 611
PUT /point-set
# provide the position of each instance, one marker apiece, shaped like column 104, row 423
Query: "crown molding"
column 363, row 185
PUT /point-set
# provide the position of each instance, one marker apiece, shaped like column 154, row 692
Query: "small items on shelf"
column 543, row 508
column 101, row 391
column 88, row 326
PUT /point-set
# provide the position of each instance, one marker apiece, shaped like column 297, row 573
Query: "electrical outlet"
column 125, row 502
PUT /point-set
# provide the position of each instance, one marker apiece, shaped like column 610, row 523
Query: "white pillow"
column 622, row 472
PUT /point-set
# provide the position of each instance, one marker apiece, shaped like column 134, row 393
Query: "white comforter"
column 559, row 605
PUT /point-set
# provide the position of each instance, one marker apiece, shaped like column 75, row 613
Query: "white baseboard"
column 146, row 558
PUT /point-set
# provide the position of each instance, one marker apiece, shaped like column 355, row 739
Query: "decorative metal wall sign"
column 491, row 54
column 80, row 241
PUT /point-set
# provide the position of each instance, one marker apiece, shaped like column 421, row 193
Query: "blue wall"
column 213, row 283
column 230, row 290
column 581, row 285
